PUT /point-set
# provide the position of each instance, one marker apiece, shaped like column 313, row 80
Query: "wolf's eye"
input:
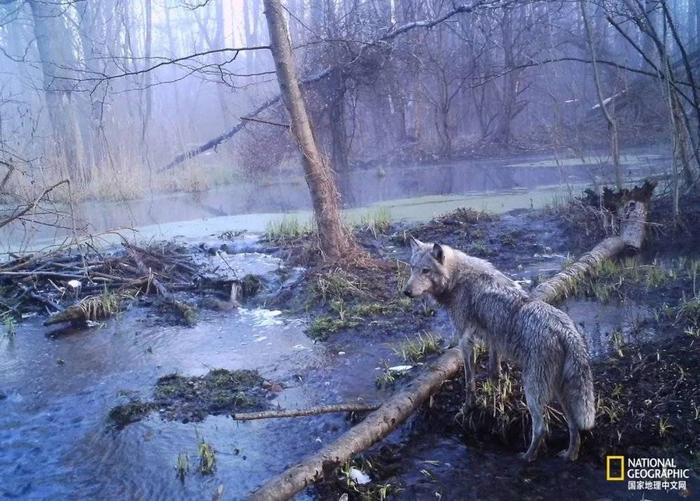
column 425, row 271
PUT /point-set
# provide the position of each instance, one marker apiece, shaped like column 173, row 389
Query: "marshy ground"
column 174, row 386
column 641, row 317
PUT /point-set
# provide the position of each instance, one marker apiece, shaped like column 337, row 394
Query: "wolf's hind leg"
column 494, row 364
column 535, row 395
column 574, row 437
column 467, row 346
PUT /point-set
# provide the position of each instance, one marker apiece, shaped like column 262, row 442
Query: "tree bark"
column 53, row 42
column 400, row 406
column 334, row 240
column 612, row 121
column 148, row 45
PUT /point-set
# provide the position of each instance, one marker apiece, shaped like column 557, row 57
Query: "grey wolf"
column 484, row 304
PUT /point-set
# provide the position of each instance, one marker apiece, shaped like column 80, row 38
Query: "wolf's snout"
column 407, row 293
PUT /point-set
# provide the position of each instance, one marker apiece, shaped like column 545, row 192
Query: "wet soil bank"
column 641, row 318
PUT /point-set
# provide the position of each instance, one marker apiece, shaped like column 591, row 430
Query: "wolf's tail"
column 577, row 381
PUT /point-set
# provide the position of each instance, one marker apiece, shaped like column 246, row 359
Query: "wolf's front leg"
column 467, row 346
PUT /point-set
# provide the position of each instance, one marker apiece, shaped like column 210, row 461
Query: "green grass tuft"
column 207, row 458
column 377, row 221
column 418, row 348
column 287, row 229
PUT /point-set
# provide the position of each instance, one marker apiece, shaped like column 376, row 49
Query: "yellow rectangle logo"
column 611, row 473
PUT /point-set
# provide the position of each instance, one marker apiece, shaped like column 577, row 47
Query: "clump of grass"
column 285, row 230
column 617, row 342
column 207, row 458
column 346, row 316
column 388, row 377
column 611, row 409
column 338, row 284
column 323, row 326
column 9, row 324
column 612, row 277
column 418, row 348
column 499, row 404
column 688, row 311
column 385, row 379
column 182, row 467
column 664, row 426
column 692, row 331
column 467, row 215
column 105, row 305
column 377, row 221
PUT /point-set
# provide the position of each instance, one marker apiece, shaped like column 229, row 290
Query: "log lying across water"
column 402, row 405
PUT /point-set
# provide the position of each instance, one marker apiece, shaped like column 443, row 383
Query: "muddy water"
column 56, row 441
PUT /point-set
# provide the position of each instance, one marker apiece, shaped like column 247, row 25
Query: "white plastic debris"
column 359, row 477
column 400, row 368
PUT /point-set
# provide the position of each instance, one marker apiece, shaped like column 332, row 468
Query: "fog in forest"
column 129, row 100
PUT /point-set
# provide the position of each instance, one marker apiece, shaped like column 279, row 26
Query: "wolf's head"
column 429, row 274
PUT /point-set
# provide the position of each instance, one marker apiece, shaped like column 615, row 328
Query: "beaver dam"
column 120, row 367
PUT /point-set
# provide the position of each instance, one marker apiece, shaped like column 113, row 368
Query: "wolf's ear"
column 415, row 243
column 438, row 253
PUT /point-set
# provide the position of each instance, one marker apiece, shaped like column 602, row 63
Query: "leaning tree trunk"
column 334, row 240
column 400, row 406
column 609, row 118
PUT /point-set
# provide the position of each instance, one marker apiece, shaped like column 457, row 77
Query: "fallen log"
column 309, row 411
column 402, row 405
column 91, row 308
column 632, row 216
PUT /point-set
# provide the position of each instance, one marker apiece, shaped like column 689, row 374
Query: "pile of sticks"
column 81, row 283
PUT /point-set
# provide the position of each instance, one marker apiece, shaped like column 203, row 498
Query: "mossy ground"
column 185, row 399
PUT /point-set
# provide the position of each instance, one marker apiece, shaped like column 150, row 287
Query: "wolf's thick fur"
column 485, row 304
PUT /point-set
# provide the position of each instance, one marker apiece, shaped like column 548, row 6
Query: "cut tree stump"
column 399, row 407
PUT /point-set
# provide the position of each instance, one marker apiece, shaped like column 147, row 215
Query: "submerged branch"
column 309, row 411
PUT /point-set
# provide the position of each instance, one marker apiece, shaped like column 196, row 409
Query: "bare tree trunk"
column 148, row 44
column 56, row 53
column 510, row 79
column 612, row 122
column 336, row 116
column 334, row 240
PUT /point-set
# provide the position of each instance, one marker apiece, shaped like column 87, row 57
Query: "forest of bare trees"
column 113, row 94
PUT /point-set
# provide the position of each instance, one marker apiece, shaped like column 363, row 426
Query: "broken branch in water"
column 394, row 411
column 309, row 411
column 187, row 312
